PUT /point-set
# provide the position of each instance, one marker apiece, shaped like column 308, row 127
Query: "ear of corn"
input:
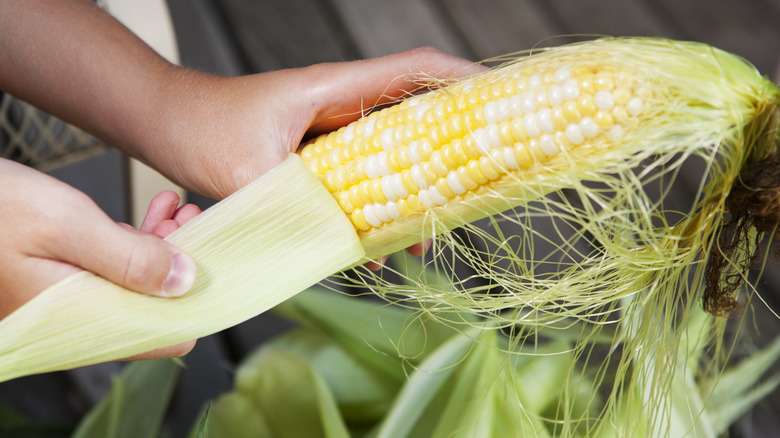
column 436, row 161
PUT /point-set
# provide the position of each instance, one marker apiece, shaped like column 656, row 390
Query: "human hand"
column 50, row 230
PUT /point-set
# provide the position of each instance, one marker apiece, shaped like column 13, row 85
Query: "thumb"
column 137, row 261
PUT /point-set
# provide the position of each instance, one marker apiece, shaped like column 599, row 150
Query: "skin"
column 72, row 60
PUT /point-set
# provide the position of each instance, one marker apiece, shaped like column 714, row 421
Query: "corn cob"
column 431, row 163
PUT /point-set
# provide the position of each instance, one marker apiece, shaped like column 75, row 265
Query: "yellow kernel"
column 375, row 190
column 403, row 207
column 399, row 115
column 424, row 149
column 587, row 105
column 344, row 203
column 433, row 137
column 413, row 202
column 364, row 193
column 522, row 156
column 558, row 119
column 475, row 173
column 619, row 114
column 508, row 87
column 329, row 181
column 440, row 112
column 360, row 168
column 561, row 140
column 505, row 132
column 355, row 198
column 455, row 126
column 469, row 122
column 586, row 84
column 444, row 134
column 359, row 221
column 465, row 179
column 444, row 188
column 407, row 134
column 447, row 158
column 497, row 161
column 354, row 148
column 521, row 85
column 408, row 115
column 428, row 119
column 487, row 169
column 604, row 119
column 604, row 82
column 428, row 173
column 469, row 147
column 403, row 157
column 472, row 99
column 457, row 154
column 306, row 152
column 420, row 130
column 314, row 166
column 571, row 112
column 323, row 164
column 437, row 164
column 373, row 145
column 622, row 95
column 518, row 131
column 408, row 182
column 497, row 90
column 484, row 94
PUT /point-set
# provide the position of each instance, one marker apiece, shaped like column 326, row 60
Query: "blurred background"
column 233, row 37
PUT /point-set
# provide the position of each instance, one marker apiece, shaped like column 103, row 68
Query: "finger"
column 137, row 261
column 377, row 264
column 161, row 207
column 166, row 227
column 418, row 249
column 177, row 350
column 354, row 87
column 185, row 213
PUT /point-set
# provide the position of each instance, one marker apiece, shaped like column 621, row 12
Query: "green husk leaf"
column 248, row 249
column 137, row 403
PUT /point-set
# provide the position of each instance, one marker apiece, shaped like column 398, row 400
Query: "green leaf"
column 136, row 405
column 291, row 396
column 234, row 415
column 201, row 429
column 422, row 387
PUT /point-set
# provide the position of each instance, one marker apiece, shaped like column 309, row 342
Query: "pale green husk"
column 243, row 270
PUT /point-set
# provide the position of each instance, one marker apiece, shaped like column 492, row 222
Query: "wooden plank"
column 497, row 27
column 609, row 17
column 380, row 27
column 747, row 28
column 276, row 34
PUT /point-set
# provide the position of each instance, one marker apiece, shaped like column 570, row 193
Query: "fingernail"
column 181, row 277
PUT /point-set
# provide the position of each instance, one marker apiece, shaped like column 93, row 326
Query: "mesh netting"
column 35, row 138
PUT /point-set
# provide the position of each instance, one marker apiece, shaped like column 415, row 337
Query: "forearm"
column 71, row 59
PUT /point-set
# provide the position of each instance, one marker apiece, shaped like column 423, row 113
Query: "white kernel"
column 381, row 164
column 504, row 109
column 544, row 120
column 349, row 134
column 372, row 170
column 425, row 199
column 555, row 95
column 418, row 178
column 604, row 100
column 397, row 186
column 368, row 128
column 480, row 141
column 634, row 106
column 419, row 112
column 385, row 184
column 381, row 213
column 573, row 134
column 493, row 136
column 454, row 182
column 386, row 138
column 393, row 211
column 516, row 106
column 530, row 126
column 547, row 145
column 570, row 89
column 540, row 99
column 615, row 132
column 490, row 111
column 437, row 197
column 535, row 80
column 562, row 74
column 509, row 157
column 528, row 103
column 413, row 150
column 368, row 214
column 588, row 127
